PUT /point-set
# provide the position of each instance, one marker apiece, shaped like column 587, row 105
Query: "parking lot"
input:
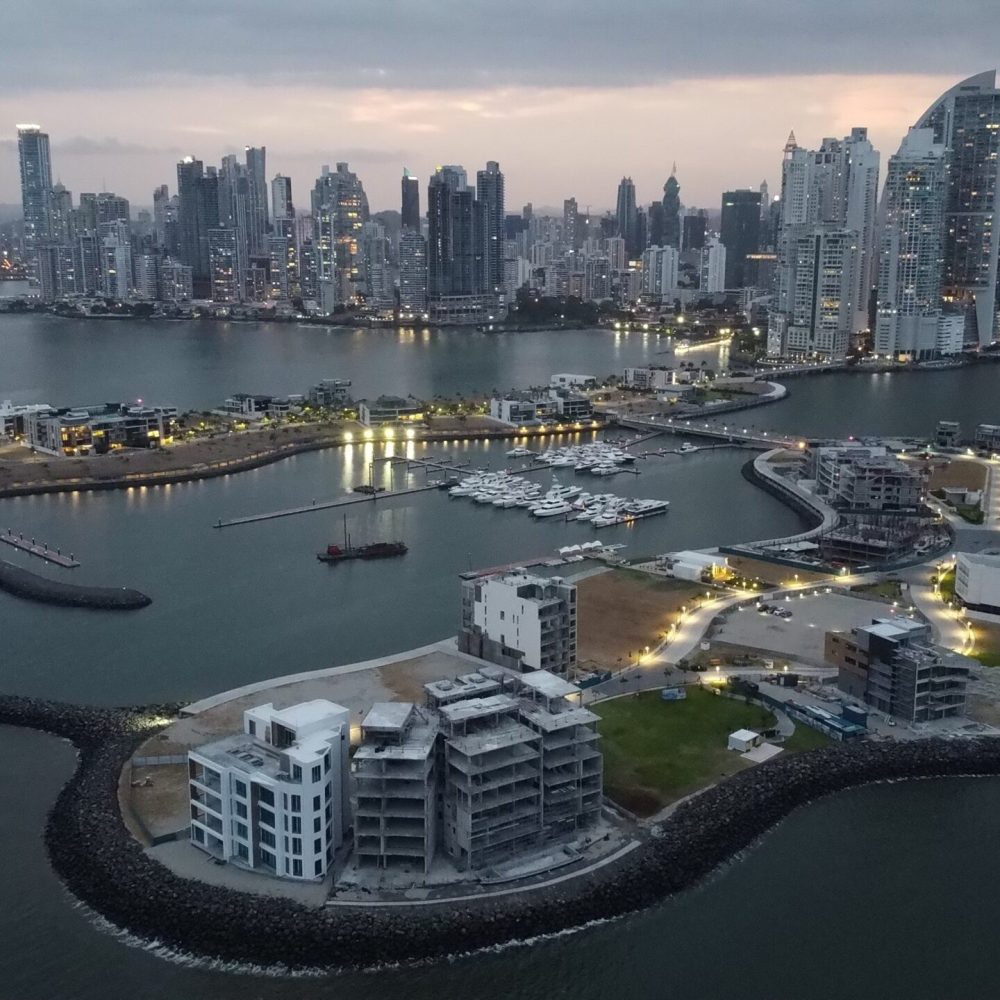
column 799, row 637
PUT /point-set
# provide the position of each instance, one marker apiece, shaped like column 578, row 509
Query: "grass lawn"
column 946, row 584
column 987, row 647
column 805, row 738
column 656, row 751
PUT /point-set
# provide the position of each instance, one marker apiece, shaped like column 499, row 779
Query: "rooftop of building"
column 989, row 558
column 388, row 716
column 246, row 754
column 894, row 628
column 549, row 685
column 557, row 717
column 477, row 708
column 509, row 734
column 455, row 688
column 305, row 713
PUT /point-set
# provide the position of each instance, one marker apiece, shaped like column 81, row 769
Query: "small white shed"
column 743, row 740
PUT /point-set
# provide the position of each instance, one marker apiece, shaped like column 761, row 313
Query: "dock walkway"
column 38, row 549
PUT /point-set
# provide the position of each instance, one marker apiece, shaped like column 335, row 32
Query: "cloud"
column 82, row 146
column 458, row 44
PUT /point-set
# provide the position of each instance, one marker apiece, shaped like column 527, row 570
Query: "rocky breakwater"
column 104, row 866
column 24, row 583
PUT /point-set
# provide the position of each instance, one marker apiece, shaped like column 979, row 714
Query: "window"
column 297, row 868
column 266, row 837
column 317, row 845
column 326, row 795
column 267, row 858
column 296, row 824
column 284, row 801
column 318, row 867
column 266, row 796
column 241, row 810
column 329, row 812
column 317, row 825
column 296, row 772
column 240, row 788
column 296, row 803
column 252, row 727
column 242, row 852
column 317, row 773
column 285, row 822
column 317, row 805
column 266, row 816
column 240, row 829
column 296, row 845
column 287, row 871
column 326, row 763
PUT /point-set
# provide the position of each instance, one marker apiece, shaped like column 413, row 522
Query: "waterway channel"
column 893, row 907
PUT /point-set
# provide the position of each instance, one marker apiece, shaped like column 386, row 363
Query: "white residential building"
column 521, row 621
column 515, row 412
column 659, row 270
column 276, row 796
column 712, row 271
column 654, row 378
column 977, row 580
column 908, row 321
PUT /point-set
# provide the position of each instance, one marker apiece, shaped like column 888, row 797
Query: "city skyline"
column 381, row 131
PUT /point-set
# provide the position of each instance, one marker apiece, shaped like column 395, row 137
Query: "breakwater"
column 105, row 867
column 31, row 586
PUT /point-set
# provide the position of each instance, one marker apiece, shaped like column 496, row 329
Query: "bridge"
column 693, row 427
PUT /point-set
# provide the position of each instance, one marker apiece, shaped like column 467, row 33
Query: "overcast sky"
column 568, row 95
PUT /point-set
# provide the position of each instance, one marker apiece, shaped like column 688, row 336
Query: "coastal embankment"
column 32, row 587
column 105, row 867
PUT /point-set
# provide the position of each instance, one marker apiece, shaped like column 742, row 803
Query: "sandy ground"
column 163, row 807
column 971, row 475
column 800, row 637
column 624, row 611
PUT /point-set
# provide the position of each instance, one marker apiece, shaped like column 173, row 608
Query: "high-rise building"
column 281, row 198
column 412, row 273
column 712, row 267
column 339, row 209
column 627, row 217
column 198, row 212
column 822, row 297
column 834, row 185
column 36, row 188
column 284, row 259
column 739, row 232
column 63, row 225
column 224, row 264
column 655, row 220
column 257, row 220
column 116, row 259
column 161, row 201
column 572, row 230
column 693, row 231
column 672, row 211
column 450, row 245
column 490, row 198
column 910, row 259
column 659, row 270
column 966, row 120
column 410, row 216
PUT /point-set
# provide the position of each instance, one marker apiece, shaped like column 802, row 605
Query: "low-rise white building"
column 276, row 796
column 655, row 378
column 514, row 411
column 977, row 580
column 520, row 621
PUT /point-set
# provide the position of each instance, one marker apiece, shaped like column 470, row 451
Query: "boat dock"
column 34, row 548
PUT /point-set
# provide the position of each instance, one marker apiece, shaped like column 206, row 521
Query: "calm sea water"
column 882, row 892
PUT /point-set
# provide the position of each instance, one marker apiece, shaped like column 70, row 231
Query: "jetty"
column 38, row 549
column 33, row 587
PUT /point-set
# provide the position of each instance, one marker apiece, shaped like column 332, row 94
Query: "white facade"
column 659, row 270
column 950, row 334
column 516, row 618
column 909, row 272
column 514, row 411
column 977, row 580
column 712, row 272
column 276, row 796
column 644, row 379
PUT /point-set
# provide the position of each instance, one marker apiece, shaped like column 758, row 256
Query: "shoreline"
column 103, row 866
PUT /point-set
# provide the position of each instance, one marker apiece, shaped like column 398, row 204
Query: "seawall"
column 105, row 867
column 32, row 587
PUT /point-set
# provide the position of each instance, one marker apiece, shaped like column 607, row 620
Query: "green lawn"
column 889, row 589
column 656, row 751
column 805, row 738
column 946, row 584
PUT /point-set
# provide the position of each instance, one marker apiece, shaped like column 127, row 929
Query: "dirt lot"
column 623, row 611
column 971, row 475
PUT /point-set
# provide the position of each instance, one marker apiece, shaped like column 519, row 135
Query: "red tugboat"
column 376, row 550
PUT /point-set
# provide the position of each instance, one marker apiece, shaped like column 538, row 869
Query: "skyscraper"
column 257, row 220
column 450, row 244
column 490, row 198
column 412, row 273
column 281, row 198
column 198, row 212
column 910, row 259
column 966, row 120
column 712, row 269
column 572, row 232
column 672, row 211
column 36, row 188
column 627, row 217
column 739, row 232
column 339, row 209
column 410, row 202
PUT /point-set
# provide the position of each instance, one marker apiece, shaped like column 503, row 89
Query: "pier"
column 34, row 548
